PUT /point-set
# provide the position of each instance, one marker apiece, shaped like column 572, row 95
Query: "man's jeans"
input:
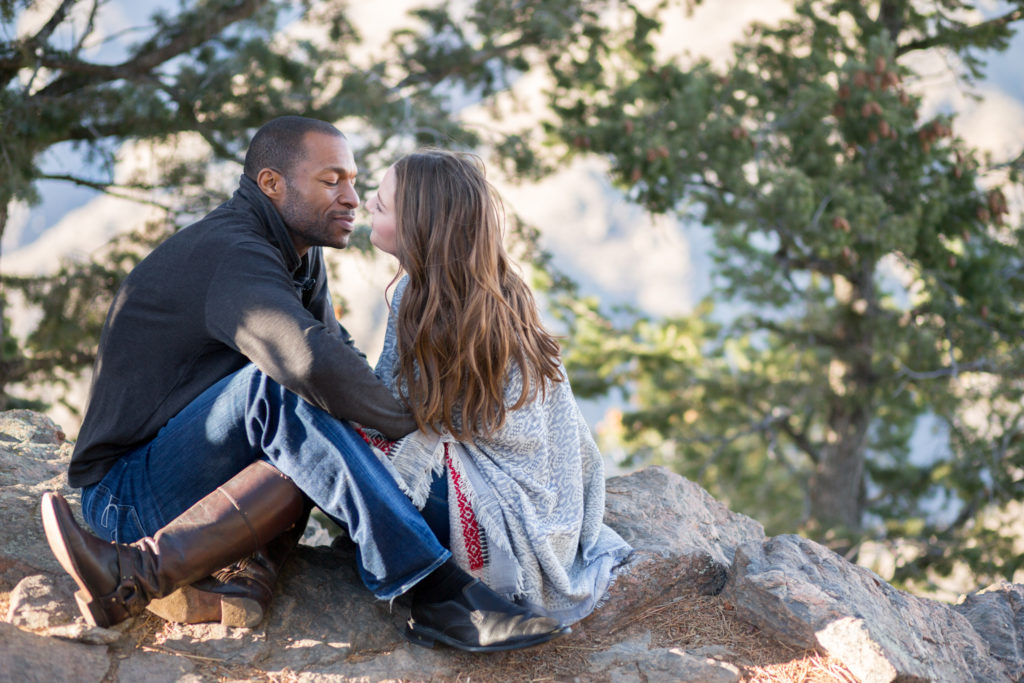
column 248, row 416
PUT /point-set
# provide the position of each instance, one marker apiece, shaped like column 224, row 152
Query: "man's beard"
column 310, row 229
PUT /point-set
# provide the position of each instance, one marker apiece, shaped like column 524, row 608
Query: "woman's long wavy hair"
column 465, row 314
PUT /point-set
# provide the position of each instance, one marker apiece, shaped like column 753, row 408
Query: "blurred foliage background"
column 867, row 262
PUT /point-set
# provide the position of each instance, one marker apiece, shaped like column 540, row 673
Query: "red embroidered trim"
column 470, row 529
column 376, row 440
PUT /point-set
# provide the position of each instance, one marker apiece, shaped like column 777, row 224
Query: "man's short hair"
column 278, row 143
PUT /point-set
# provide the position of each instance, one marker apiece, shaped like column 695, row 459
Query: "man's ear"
column 271, row 183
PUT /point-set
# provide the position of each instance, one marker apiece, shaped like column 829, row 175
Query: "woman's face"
column 382, row 215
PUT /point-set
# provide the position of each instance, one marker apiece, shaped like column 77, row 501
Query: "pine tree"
column 193, row 89
column 871, row 256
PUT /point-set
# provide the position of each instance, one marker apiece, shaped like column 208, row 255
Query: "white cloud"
column 111, row 19
column 601, row 239
column 987, row 117
column 376, row 20
column 17, row 222
column 77, row 234
column 995, row 123
column 714, row 26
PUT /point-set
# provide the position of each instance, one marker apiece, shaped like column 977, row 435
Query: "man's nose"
column 349, row 197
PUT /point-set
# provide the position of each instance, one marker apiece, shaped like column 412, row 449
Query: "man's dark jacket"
column 216, row 295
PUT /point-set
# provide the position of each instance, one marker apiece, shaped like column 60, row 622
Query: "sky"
column 594, row 234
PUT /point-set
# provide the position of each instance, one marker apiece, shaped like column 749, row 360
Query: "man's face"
column 320, row 199
column 382, row 215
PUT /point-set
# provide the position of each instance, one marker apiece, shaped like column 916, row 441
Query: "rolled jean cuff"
column 395, row 588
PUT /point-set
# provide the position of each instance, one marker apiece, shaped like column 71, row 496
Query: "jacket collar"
column 249, row 192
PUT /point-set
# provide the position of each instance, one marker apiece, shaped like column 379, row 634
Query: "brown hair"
column 465, row 314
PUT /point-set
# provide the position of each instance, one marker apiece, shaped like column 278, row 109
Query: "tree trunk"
column 3, row 219
column 837, row 484
column 4, row 208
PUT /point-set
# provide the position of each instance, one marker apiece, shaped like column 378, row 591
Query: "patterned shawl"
column 526, row 504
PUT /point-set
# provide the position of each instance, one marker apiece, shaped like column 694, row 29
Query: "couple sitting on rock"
column 227, row 401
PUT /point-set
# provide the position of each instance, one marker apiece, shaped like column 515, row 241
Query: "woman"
column 466, row 349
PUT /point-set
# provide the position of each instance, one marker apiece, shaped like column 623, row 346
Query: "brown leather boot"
column 237, row 595
column 117, row 580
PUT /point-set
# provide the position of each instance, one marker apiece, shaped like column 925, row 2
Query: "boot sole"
column 240, row 612
column 89, row 608
column 54, row 530
column 427, row 637
column 189, row 605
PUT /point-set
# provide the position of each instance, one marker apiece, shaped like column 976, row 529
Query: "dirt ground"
column 699, row 624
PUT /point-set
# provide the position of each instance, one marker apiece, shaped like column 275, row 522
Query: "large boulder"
column 808, row 596
column 325, row 626
column 681, row 536
column 28, row 657
column 997, row 615
column 33, row 459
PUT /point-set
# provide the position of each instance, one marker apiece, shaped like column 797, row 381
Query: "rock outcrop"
column 324, row 626
column 809, row 596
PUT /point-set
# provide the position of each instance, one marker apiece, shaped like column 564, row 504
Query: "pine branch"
column 112, row 189
column 90, row 25
column 122, row 128
column 891, row 18
column 25, row 368
column 796, row 335
column 148, row 56
column 964, row 35
column 762, row 426
column 1017, row 163
column 22, row 55
column 477, row 60
column 955, row 370
column 58, row 17
column 206, row 130
column 801, row 440
column 4, row 209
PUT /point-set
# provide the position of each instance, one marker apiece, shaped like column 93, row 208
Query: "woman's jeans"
column 248, row 416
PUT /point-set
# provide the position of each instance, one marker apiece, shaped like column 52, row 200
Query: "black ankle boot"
column 478, row 620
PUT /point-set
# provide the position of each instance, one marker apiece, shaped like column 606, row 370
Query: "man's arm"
column 253, row 306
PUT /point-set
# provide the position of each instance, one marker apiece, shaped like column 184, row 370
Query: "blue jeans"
column 248, row 416
column 435, row 511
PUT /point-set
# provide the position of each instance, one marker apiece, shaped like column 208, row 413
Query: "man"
column 217, row 407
